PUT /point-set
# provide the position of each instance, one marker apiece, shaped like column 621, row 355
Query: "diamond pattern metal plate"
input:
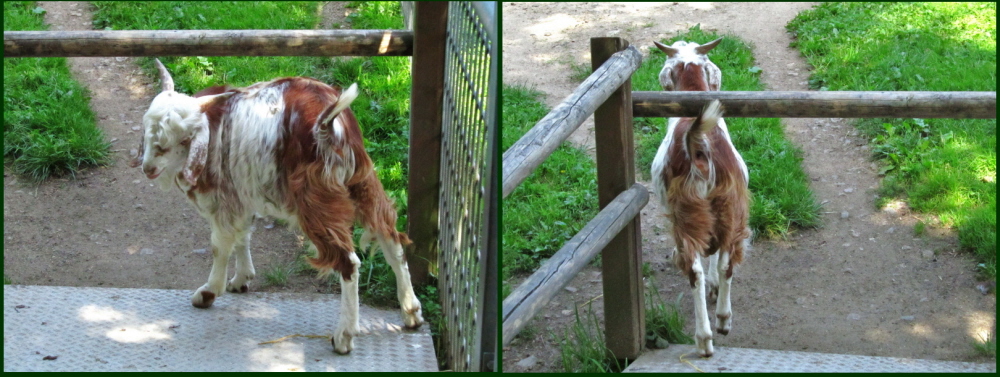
column 684, row 359
column 119, row 329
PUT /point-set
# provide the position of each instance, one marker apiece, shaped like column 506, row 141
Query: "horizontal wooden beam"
column 533, row 294
column 538, row 143
column 19, row 44
column 973, row 105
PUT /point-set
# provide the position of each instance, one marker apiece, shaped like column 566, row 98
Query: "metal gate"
column 467, row 264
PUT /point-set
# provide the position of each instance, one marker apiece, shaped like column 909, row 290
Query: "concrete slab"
column 684, row 359
column 116, row 329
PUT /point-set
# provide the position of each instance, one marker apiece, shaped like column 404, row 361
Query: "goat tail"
column 708, row 120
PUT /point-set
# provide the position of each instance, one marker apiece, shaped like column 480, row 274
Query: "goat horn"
column 705, row 48
column 670, row 51
column 165, row 80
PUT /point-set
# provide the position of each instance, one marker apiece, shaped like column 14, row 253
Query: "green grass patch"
column 582, row 346
column 49, row 129
column 942, row 167
column 554, row 202
column 986, row 347
column 781, row 196
column 664, row 321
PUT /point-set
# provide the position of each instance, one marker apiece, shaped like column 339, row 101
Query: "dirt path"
column 863, row 284
column 110, row 227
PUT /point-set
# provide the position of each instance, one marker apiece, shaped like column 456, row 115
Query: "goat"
column 701, row 181
column 289, row 148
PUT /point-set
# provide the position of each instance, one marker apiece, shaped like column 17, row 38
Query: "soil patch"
column 863, row 284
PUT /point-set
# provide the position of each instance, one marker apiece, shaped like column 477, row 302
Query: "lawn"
column 944, row 168
column 49, row 129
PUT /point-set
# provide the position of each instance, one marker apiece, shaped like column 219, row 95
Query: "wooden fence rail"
column 208, row 43
column 977, row 105
column 533, row 294
column 537, row 144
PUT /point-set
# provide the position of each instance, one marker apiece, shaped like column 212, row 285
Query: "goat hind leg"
column 348, row 328
column 240, row 283
column 702, row 329
column 723, row 308
column 712, row 277
column 408, row 303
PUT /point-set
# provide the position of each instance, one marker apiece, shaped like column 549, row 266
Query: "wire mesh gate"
column 467, row 263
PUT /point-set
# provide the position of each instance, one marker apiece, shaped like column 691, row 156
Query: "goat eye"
column 186, row 142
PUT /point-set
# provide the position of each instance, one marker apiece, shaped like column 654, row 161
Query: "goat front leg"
column 222, row 247
column 348, row 328
column 702, row 329
column 245, row 272
column 408, row 303
column 723, row 307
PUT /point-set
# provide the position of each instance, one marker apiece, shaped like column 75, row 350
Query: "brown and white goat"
column 701, row 181
column 289, row 148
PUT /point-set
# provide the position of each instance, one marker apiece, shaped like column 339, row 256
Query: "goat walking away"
column 701, row 181
column 289, row 148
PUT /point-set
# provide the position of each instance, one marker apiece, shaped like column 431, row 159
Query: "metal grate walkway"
column 117, row 329
column 747, row 360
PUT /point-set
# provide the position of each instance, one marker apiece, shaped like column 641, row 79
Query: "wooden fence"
column 615, row 230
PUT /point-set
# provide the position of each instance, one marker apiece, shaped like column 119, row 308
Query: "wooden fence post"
column 624, row 312
column 426, row 106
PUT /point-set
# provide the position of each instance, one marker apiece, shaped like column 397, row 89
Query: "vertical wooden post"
column 429, row 31
column 621, row 260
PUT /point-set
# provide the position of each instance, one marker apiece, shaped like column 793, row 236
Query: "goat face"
column 687, row 67
column 176, row 134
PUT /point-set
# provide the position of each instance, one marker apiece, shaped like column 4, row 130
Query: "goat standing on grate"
column 289, row 148
column 701, row 181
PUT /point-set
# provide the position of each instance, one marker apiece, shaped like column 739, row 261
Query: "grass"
column 945, row 168
column 782, row 200
column 582, row 346
column 49, row 129
column 986, row 347
column 664, row 321
column 554, row 202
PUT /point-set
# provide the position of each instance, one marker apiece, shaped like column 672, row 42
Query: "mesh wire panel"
column 465, row 164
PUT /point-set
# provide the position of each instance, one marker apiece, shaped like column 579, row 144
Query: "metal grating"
column 747, row 360
column 120, row 329
column 466, row 163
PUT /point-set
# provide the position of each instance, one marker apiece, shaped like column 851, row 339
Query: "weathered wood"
column 533, row 294
column 538, row 143
column 208, row 43
column 624, row 313
column 426, row 107
column 972, row 105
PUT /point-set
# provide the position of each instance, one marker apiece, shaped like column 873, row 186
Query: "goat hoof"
column 723, row 331
column 207, row 298
column 345, row 351
column 241, row 289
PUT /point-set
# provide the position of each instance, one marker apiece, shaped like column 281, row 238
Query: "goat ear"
column 670, row 51
column 197, row 154
column 137, row 159
column 705, row 48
